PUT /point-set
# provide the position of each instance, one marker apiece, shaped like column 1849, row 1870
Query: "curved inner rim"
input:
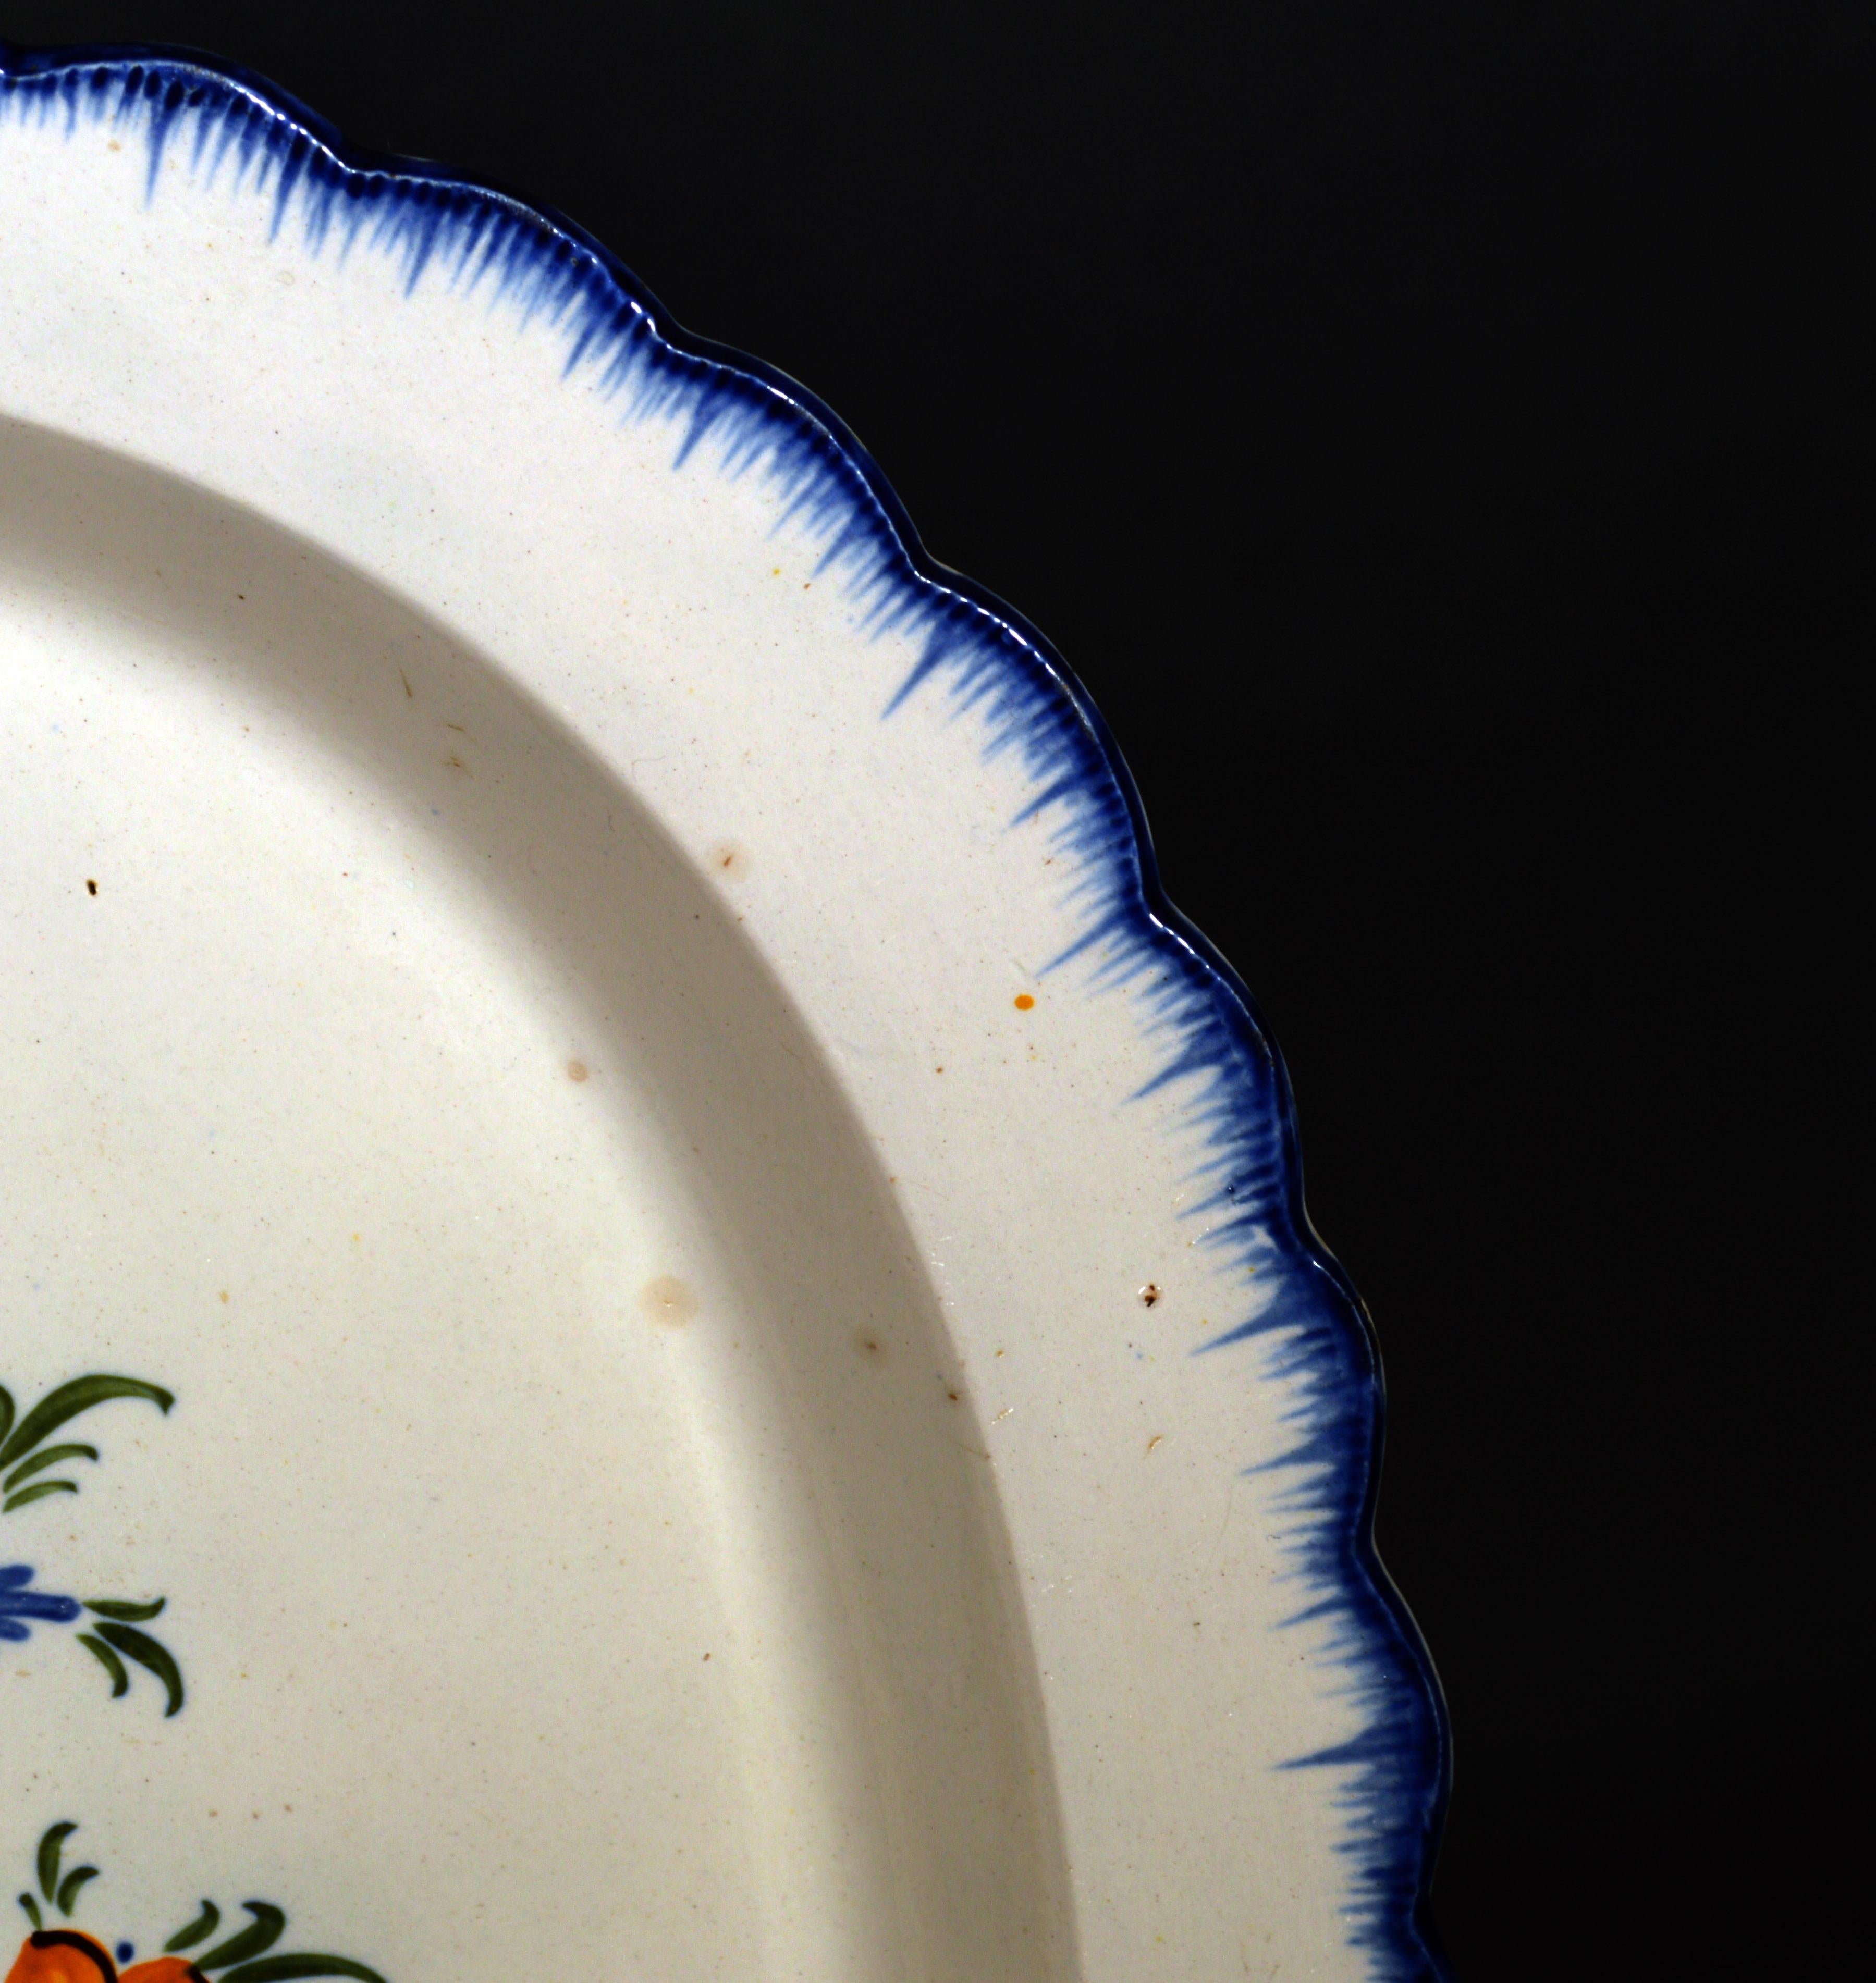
column 574, row 1483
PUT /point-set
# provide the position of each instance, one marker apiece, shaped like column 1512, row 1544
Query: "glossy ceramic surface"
column 658, row 1320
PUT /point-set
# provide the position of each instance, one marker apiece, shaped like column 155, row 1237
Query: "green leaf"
column 51, row 1456
column 102, row 1653
column 259, row 1935
column 70, row 1887
column 32, row 1911
column 290, row 1968
column 51, row 1847
column 68, row 1401
column 147, row 1652
column 27, row 1495
column 199, row 1930
column 121, row 1608
column 6, row 1412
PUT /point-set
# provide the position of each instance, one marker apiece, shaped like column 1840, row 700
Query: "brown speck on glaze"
column 577, row 1070
column 1150, row 1293
column 1154, row 1440
column 668, row 1300
column 224, row 1297
column 870, row 1346
column 454, row 763
column 90, row 887
column 408, row 691
column 1024, row 1003
column 729, row 859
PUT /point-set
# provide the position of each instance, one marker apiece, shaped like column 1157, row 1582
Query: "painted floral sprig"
column 112, row 1639
column 56, row 1954
column 23, row 1453
column 115, row 1634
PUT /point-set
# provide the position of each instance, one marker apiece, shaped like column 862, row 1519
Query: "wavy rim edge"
column 1397, row 1805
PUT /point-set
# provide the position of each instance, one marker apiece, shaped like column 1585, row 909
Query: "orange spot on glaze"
column 668, row 1300
column 1024, row 1003
column 577, row 1070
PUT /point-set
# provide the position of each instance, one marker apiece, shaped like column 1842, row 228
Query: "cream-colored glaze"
column 673, row 1475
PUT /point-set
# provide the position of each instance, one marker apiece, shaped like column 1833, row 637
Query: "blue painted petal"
column 43, row 1604
column 15, row 1573
column 9, row 1629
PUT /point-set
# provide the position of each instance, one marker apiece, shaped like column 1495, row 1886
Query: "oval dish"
column 687, row 1343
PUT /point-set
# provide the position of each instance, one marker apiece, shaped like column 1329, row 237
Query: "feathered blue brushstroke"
column 228, row 129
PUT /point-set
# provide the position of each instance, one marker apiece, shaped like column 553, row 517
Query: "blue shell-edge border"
column 1318, row 1333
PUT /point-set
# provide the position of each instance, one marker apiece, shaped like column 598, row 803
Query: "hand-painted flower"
column 17, row 1604
column 69, row 1956
column 63, row 1955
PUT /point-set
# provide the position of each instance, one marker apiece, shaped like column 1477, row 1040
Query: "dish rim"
column 1402, row 1756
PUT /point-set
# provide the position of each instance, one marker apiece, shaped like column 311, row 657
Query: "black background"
column 1439, row 436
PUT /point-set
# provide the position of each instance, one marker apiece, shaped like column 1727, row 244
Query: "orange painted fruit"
column 62, row 1955
column 163, row 1969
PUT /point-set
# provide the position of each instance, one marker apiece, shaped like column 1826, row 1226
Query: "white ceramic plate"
column 713, row 1351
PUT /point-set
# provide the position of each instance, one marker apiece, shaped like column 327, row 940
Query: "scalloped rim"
column 990, row 657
